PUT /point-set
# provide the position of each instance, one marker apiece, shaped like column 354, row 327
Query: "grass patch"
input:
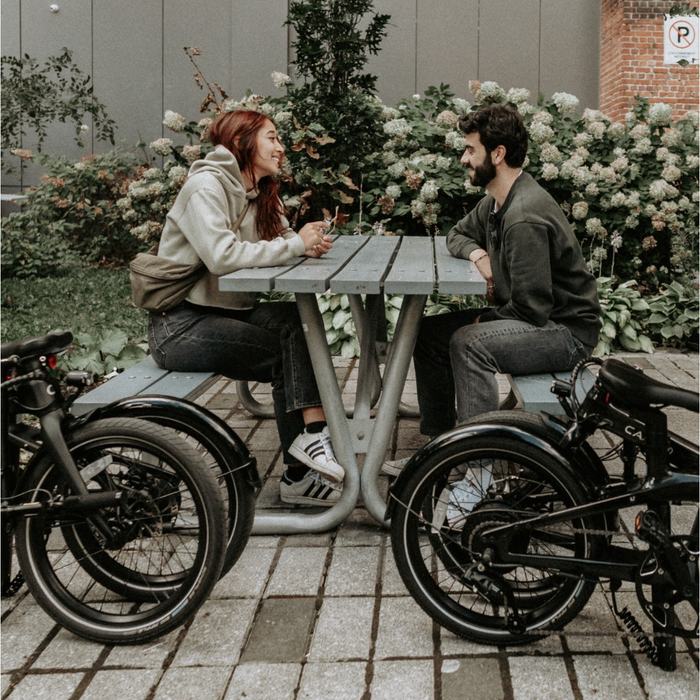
column 88, row 300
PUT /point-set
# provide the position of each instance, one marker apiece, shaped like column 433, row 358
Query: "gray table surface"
column 365, row 268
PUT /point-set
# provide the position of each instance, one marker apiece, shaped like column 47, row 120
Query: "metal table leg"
column 291, row 523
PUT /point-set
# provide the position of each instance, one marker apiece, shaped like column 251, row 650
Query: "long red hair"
column 238, row 132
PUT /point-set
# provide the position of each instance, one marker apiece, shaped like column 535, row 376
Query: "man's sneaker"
column 312, row 490
column 394, row 467
column 459, row 498
column 315, row 451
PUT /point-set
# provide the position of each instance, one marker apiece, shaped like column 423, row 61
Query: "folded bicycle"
column 123, row 519
column 502, row 527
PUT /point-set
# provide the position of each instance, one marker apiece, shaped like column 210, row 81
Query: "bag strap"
column 239, row 220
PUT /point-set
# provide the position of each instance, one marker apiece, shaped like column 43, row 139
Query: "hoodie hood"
column 223, row 165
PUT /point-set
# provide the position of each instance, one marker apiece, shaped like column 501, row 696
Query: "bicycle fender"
column 171, row 412
column 468, row 432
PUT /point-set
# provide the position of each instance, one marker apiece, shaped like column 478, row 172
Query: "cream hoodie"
column 199, row 227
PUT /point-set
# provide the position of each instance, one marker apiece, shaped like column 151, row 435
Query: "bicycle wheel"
column 448, row 556
column 168, row 534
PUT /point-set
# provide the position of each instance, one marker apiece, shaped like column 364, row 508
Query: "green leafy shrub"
column 674, row 315
column 101, row 353
column 620, row 308
column 71, row 214
column 34, row 96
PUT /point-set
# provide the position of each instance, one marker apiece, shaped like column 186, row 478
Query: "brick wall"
column 632, row 59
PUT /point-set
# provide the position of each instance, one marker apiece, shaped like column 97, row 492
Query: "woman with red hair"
column 229, row 215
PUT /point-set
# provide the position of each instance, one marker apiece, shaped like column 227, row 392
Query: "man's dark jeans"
column 454, row 356
column 264, row 344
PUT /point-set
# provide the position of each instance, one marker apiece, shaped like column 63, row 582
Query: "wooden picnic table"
column 365, row 268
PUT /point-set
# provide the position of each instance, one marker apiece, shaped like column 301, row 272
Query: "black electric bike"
column 502, row 527
column 120, row 522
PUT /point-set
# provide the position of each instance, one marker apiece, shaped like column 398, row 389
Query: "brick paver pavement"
column 326, row 616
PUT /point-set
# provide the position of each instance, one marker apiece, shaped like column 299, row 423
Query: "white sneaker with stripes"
column 312, row 490
column 393, row 467
column 315, row 451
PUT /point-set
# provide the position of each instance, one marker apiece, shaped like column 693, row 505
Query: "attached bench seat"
column 144, row 378
column 533, row 391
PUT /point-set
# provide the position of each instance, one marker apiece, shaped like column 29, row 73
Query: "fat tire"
column 121, row 604
column 415, row 541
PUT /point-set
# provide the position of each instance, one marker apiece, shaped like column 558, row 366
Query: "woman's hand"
column 316, row 241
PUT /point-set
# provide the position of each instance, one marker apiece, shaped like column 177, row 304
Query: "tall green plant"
column 34, row 96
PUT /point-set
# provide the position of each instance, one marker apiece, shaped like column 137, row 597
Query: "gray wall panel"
column 45, row 33
column 133, row 49
column 448, row 44
column 258, row 46
column 509, row 41
column 570, row 49
column 395, row 64
column 10, row 38
column 128, row 66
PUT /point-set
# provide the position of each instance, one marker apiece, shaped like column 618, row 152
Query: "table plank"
column 315, row 274
column 413, row 271
column 256, row 279
column 456, row 275
column 366, row 270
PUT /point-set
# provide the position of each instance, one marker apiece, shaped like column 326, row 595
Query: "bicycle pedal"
column 649, row 528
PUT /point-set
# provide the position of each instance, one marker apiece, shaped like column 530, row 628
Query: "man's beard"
column 482, row 174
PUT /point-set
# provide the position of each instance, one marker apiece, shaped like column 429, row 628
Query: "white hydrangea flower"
column 632, row 221
column 418, row 206
column 592, row 189
column 583, row 153
column 692, row 161
column 660, row 114
column 393, row 191
column 123, row 203
column 177, row 172
column 526, row 162
column 542, row 117
column 696, row 196
column 540, row 132
column 660, row 189
column 620, row 163
column 549, row 153
column 162, row 147
column 618, row 199
column 617, row 130
column 397, row 169
column 525, row 108
column 491, row 92
column 565, row 102
column 461, row 106
column 429, row 191
column 632, row 200
column 579, row 210
column 582, row 140
column 581, row 176
column 569, row 166
column 671, row 173
column 155, row 188
column 672, row 138
column 693, row 116
column 683, row 204
column 389, row 113
column 597, row 129
column 443, row 163
column 446, row 119
column 593, row 115
column 594, row 227
column 130, row 215
column 283, row 117
column 174, row 121
column 549, row 171
column 151, row 174
column 518, row 95
column 280, row 79
column 455, row 140
column 641, row 131
column 643, row 146
column 191, row 153
column 398, row 128
column 389, row 157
